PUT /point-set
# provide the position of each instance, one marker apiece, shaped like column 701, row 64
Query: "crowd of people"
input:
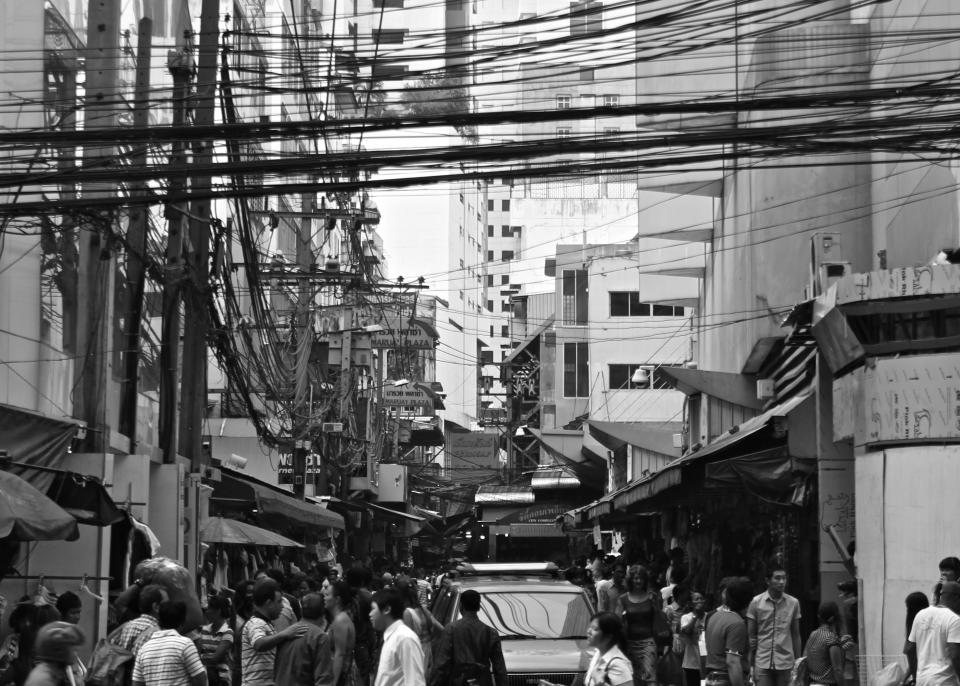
column 375, row 630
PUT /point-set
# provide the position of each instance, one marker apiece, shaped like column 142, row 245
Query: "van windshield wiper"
column 519, row 637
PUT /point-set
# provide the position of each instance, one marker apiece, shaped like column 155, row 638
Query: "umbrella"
column 26, row 514
column 223, row 530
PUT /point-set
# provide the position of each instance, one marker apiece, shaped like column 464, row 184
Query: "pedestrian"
column 424, row 624
column 726, row 639
column 55, row 653
column 307, row 660
column 401, row 657
column 259, row 639
column 824, row 649
column 609, row 665
column 70, row 607
column 469, row 649
column 692, row 639
column 609, row 595
column 290, row 611
column 915, row 602
column 638, row 608
column 933, row 646
column 773, row 626
column 134, row 633
column 359, row 580
column 215, row 643
column 167, row 658
column 339, row 601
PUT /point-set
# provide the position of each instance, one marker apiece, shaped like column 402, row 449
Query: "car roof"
column 514, row 583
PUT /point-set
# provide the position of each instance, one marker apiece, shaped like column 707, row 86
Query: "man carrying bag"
column 469, row 653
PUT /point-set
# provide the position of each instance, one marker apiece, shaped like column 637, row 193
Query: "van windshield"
column 524, row 615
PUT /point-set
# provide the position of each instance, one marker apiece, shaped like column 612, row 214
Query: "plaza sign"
column 406, row 396
column 401, row 332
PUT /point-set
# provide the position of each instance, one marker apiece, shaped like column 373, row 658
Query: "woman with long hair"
column 423, row 624
column 339, row 600
column 610, row 666
column 639, row 607
column 915, row 602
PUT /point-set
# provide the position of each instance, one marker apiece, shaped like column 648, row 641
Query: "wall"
column 906, row 507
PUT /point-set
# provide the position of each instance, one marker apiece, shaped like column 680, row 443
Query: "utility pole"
column 96, row 265
column 137, row 239
column 302, row 400
column 193, row 406
column 180, row 65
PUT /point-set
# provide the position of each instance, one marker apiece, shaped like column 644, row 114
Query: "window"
column 505, row 306
column 505, row 331
column 564, row 102
column 627, row 304
column 586, row 74
column 576, row 375
column 611, row 100
column 389, row 36
column 390, row 4
column 585, row 17
column 505, row 231
column 667, row 311
column 574, row 296
column 620, row 376
column 516, row 230
column 505, row 205
column 490, row 203
column 489, row 256
column 491, row 330
column 489, row 279
column 490, row 230
column 563, row 132
column 534, row 613
column 611, row 131
column 386, row 72
column 490, row 307
column 504, row 279
column 507, row 255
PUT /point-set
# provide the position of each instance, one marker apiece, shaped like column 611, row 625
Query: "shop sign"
column 537, row 514
column 285, row 468
column 401, row 333
column 406, row 396
column 904, row 282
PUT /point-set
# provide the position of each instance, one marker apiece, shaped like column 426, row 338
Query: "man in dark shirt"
column 469, row 649
column 726, row 636
column 307, row 660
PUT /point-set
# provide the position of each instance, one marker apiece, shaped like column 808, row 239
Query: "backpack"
column 800, row 674
column 109, row 664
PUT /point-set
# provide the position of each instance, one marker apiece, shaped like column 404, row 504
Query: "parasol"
column 223, row 530
column 26, row 514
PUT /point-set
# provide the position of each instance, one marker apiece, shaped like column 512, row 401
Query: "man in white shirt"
column 401, row 657
column 933, row 647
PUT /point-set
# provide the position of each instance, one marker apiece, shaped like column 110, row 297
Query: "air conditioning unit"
column 677, row 440
column 765, row 389
column 826, row 262
column 830, row 273
column 332, row 427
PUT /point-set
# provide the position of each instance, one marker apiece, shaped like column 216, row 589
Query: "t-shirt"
column 692, row 637
column 726, row 634
column 167, row 659
column 256, row 666
column 208, row 644
column 818, row 656
column 933, row 628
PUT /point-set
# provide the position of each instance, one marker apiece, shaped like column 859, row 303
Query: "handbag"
column 670, row 670
column 662, row 633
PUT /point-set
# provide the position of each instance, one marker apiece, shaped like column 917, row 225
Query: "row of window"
column 506, row 231
column 627, row 304
column 565, row 102
column 566, row 131
column 507, row 255
column 504, row 205
column 576, row 374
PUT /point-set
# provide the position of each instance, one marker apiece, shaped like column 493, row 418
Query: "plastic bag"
column 800, row 674
column 892, row 674
column 109, row 663
column 175, row 578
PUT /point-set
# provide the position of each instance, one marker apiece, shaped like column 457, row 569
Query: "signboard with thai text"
column 472, row 455
column 904, row 282
column 406, row 396
column 285, row 468
column 402, row 333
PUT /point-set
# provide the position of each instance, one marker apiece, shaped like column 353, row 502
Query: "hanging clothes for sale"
column 221, row 570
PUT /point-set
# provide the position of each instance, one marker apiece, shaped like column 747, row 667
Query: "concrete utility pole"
column 180, row 64
column 96, row 264
column 302, row 400
column 193, row 406
column 137, row 240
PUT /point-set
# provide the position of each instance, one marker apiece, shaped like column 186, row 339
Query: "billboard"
column 472, row 456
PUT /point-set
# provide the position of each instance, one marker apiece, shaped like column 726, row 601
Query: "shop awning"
column 272, row 502
column 225, row 530
column 739, row 389
column 26, row 514
column 504, row 495
column 670, row 475
column 508, row 360
column 35, row 439
column 85, row 498
column 553, row 478
column 528, row 530
column 656, row 437
column 395, row 514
